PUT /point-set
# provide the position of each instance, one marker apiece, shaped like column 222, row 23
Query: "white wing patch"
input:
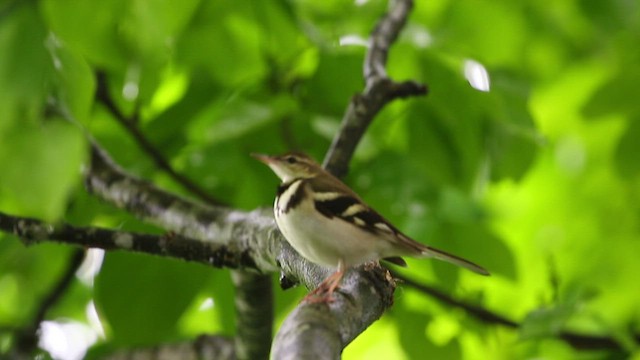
column 383, row 227
column 326, row 196
column 353, row 209
column 359, row 222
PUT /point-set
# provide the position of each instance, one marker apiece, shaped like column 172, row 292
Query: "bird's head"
column 291, row 165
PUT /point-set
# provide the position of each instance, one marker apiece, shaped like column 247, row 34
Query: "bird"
column 330, row 225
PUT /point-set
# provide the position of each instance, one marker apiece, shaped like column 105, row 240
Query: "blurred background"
column 524, row 157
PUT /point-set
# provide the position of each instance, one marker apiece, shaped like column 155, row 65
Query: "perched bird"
column 328, row 223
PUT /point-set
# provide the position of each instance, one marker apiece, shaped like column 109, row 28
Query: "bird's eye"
column 291, row 160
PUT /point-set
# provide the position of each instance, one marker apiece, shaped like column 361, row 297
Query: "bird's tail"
column 444, row 256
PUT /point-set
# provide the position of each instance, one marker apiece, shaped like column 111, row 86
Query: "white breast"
column 323, row 240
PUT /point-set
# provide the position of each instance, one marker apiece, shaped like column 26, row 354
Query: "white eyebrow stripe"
column 326, row 196
column 353, row 209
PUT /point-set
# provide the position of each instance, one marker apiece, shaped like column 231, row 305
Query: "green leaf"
column 615, row 96
column 511, row 151
column 457, row 207
column 549, row 321
column 41, row 166
column 326, row 96
column 26, row 277
column 465, row 29
column 412, row 326
column 224, row 121
column 24, row 66
column 142, row 297
column 95, row 37
column 512, row 140
column 225, row 42
column 74, row 79
column 545, row 322
column 626, row 154
column 475, row 242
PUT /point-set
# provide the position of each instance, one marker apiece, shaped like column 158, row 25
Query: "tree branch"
column 205, row 347
column 255, row 231
column 578, row 341
column 364, row 295
column 321, row 330
column 379, row 89
column 252, row 233
column 477, row 312
column 254, row 314
column 130, row 124
column 32, row 231
column 244, row 341
column 312, row 330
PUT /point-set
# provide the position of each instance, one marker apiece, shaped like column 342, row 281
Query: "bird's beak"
column 263, row 158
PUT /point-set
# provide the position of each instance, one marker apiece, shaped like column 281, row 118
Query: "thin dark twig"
column 130, row 124
column 27, row 339
column 476, row 311
column 578, row 341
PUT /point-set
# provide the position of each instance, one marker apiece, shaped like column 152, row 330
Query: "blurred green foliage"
column 537, row 179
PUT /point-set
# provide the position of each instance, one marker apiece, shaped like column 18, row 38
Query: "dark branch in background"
column 379, row 90
column 477, row 312
column 130, row 124
column 32, row 231
column 578, row 341
column 27, row 339
column 254, row 309
column 204, row 347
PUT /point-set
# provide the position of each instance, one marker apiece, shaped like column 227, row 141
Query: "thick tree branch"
column 130, row 124
column 321, row 331
column 379, row 89
column 311, row 331
column 334, row 323
column 255, row 231
column 252, row 233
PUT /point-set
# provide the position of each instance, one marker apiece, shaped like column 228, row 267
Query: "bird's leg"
column 324, row 291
